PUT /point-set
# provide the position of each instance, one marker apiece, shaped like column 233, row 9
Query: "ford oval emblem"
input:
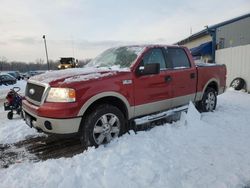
column 32, row 91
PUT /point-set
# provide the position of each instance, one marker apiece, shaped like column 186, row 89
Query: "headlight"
column 61, row 95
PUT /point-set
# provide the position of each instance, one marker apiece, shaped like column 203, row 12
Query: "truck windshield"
column 66, row 60
column 122, row 57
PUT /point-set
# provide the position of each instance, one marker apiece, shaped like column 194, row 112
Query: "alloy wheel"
column 106, row 128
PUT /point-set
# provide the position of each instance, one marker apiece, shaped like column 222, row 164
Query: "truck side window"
column 178, row 58
column 154, row 56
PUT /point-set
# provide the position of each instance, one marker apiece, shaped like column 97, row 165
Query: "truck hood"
column 75, row 75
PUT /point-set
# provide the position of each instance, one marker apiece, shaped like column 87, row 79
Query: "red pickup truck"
column 123, row 83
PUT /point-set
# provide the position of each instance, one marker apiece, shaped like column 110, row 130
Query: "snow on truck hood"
column 76, row 74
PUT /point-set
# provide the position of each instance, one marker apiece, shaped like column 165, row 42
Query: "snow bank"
column 5, row 89
column 192, row 114
column 211, row 150
column 67, row 73
column 60, row 74
column 14, row 130
column 91, row 76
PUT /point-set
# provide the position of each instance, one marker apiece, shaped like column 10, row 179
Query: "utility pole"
column 1, row 63
column 46, row 50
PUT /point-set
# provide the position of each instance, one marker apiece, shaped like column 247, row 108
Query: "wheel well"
column 109, row 100
column 213, row 85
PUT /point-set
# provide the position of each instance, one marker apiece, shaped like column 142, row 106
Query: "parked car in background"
column 22, row 74
column 29, row 74
column 7, row 79
column 40, row 72
column 15, row 74
column 19, row 76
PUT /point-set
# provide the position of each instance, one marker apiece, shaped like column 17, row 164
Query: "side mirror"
column 153, row 68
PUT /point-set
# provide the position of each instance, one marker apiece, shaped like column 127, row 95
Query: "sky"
column 85, row 28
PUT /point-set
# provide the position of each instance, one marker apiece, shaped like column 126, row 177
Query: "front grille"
column 34, row 92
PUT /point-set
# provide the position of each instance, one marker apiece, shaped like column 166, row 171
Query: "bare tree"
column 3, row 60
column 39, row 64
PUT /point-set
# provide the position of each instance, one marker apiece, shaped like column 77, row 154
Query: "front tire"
column 102, row 125
column 209, row 101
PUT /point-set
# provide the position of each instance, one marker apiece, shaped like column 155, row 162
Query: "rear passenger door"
column 182, row 76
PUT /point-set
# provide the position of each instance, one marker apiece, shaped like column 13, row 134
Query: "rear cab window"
column 177, row 58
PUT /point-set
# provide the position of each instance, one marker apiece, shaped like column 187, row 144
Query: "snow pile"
column 207, row 150
column 87, row 77
column 68, row 73
column 14, row 130
column 5, row 89
column 117, row 68
column 192, row 114
column 60, row 74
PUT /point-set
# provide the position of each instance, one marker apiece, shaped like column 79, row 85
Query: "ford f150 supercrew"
column 98, row 101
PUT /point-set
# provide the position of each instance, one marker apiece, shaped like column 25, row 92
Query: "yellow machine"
column 67, row 62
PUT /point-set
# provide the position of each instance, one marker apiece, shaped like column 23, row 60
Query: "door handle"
column 192, row 75
column 168, row 79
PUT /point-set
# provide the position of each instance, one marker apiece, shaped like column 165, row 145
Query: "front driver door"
column 152, row 92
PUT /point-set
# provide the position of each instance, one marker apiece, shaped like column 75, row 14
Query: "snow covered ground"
column 14, row 130
column 207, row 151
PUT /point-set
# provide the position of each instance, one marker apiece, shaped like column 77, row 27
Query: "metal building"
column 225, row 43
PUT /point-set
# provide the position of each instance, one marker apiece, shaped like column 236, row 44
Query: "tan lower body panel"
column 153, row 107
column 59, row 126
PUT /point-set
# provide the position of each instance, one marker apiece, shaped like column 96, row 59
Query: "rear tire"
column 102, row 125
column 209, row 101
column 237, row 84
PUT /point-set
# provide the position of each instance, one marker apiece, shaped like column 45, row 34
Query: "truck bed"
column 207, row 72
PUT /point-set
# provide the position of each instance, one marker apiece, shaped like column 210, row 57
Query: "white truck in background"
column 237, row 61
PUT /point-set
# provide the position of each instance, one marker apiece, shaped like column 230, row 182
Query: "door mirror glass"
column 153, row 68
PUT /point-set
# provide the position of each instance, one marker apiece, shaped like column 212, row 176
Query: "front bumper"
column 51, row 125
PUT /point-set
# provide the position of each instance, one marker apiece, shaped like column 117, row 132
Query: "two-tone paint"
column 134, row 95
